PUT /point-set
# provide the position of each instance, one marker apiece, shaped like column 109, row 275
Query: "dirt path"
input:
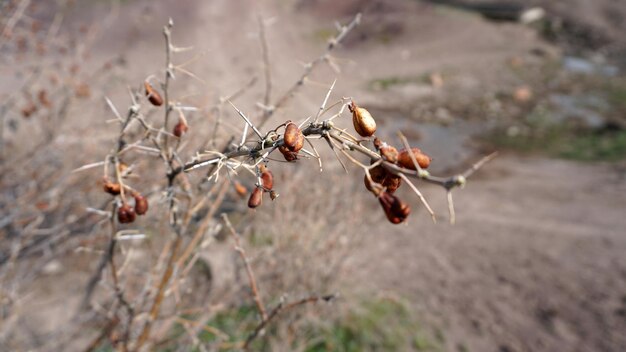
column 535, row 263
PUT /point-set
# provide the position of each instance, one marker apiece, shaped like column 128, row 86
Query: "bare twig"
column 253, row 285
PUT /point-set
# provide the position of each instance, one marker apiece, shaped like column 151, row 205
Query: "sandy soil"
column 535, row 263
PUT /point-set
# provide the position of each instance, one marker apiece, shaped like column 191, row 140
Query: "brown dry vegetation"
column 535, row 261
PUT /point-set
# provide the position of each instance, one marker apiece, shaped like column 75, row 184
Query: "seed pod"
column 267, row 178
column 256, row 197
column 363, row 122
column 404, row 159
column 240, row 189
column 141, row 204
column 273, row 195
column 392, row 183
column 111, row 187
column 180, row 128
column 383, row 177
column 288, row 154
column 299, row 143
column 291, row 135
column 153, row 96
column 126, row 214
column 396, row 210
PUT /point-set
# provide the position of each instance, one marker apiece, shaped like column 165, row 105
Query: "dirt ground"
column 536, row 261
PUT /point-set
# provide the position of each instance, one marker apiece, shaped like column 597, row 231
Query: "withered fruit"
column 112, row 188
column 256, row 197
column 291, row 135
column 396, row 210
column 141, row 204
column 404, row 159
column 240, row 189
column 288, row 154
column 363, row 122
column 299, row 142
column 388, row 152
column 267, row 178
column 383, row 177
column 153, row 96
column 126, row 214
column 180, row 128
column 293, row 138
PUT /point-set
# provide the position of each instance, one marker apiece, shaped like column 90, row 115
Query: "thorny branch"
column 247, row 155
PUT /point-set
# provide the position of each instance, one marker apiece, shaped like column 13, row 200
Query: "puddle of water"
column 449, row 146
column 580, row 65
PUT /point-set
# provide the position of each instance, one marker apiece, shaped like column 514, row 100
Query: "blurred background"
column 535, row 262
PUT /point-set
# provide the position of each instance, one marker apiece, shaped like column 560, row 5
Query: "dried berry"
column 267, row 178
column 392, row 183
column 404, row 159
column 388, row 152
column 153, row 96
column 256, row 197
column 299, row 143
column 396, row 210
column 141, row 204
column 383, row 177
column 111, row 187
column 180, row 128
column 273, row 195
column 363, row 122
column 126, row 214
column 288, row 154
column 293, row 138
column 240, row 189
column 291, row 135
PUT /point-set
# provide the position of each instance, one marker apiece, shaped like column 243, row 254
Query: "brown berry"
column 256, row 197
column 363, row 122
column 153, row 96
column 267, row 178
column 291, row 135
column 141, row 204
column 293, row 138
column 126, row 214
column 396, row 210
column 288, row 154
column 180, row 128
column 404, row 159
column 111, row 187
column 388, row 152
column 383, row 177
column 240, row 189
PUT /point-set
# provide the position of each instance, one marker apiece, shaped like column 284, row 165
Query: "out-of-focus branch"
column 242, row 253
column 280, row 308
column 308, row 68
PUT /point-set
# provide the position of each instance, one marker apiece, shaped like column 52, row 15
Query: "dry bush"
column 163, row 279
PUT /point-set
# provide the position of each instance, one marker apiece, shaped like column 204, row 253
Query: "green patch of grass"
column 382, row 84
column 563, row 142
column 379, row 325
column 373, row 325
